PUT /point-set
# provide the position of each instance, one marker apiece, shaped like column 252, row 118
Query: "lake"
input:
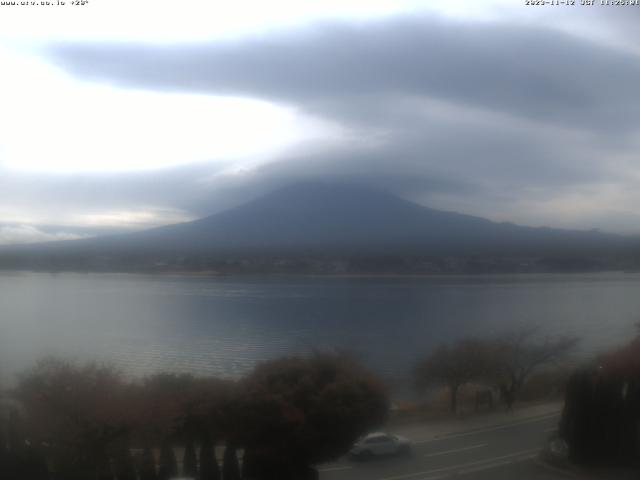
column 224, row 325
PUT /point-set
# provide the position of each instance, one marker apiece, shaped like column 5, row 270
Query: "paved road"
column 507, row 451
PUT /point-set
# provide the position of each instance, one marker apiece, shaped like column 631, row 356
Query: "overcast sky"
column 126, row 114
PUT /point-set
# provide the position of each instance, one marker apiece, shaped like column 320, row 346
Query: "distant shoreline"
column 216, row 274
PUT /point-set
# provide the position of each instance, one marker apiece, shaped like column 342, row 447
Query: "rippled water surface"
column 224, row 325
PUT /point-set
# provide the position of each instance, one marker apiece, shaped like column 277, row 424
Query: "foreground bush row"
column 82, row 421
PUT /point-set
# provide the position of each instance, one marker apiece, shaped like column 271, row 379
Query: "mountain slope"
column 346, row 218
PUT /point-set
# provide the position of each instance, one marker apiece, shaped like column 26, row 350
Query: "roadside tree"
column 296, row 412
column 601, row 416
column 80, row 411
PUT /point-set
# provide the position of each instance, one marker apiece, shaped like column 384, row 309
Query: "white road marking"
column 488, row 429
column 334, row 469
column 488, row 463
column 488, row 466
column 456, row 450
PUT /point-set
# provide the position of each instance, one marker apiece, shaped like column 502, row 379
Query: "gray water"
column 224, row 325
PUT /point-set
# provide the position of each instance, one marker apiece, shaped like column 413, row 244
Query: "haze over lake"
column 223, row 325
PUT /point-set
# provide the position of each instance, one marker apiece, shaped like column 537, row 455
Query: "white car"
column 380, row 443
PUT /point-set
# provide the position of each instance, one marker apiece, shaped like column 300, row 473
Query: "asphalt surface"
column 507, row 451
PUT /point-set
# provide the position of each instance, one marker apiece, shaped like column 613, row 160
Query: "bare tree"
column 507, row 361
column 453, row 366
column 517, row 355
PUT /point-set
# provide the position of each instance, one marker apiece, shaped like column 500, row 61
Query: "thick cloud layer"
column 530, row 72
column 524, row 123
